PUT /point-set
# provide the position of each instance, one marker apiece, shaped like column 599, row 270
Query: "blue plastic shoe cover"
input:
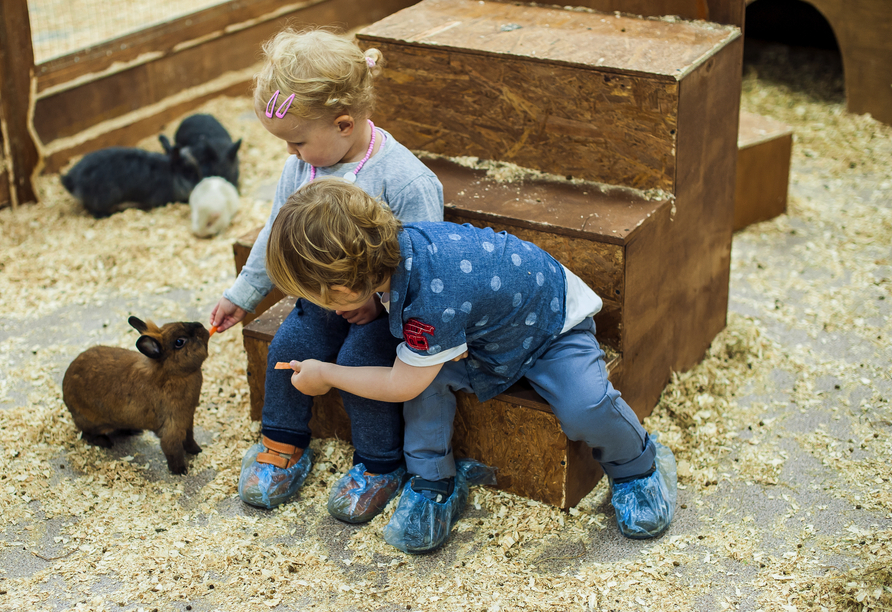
column 420, row 524
column 267, row 486
column 645, row 507
column 359, row 497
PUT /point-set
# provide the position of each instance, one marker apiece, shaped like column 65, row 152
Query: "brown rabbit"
column 108, row 388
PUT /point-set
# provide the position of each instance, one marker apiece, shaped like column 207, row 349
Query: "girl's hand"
column 226, row 314
column 307, row 377
column 366, row 313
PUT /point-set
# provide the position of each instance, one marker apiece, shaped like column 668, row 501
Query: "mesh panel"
column 59, row 27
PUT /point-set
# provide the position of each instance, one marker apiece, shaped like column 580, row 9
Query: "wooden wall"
column 19, row 158
column 863, row 31
column 123, row 90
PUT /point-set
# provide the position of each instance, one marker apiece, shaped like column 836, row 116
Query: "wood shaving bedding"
column 90, row 529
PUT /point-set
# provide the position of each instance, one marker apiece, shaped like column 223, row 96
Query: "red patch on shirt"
column 413, row 333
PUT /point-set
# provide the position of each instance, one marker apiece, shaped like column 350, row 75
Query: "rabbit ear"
column 137, row 324
column 233, row 149
column 165, row 143
column 149, row 346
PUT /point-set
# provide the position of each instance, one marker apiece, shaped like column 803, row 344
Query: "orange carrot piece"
column 213, row 330
column 283, row 365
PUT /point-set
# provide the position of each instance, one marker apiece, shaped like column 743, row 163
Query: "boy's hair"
column 328, row 74
column 330, row 232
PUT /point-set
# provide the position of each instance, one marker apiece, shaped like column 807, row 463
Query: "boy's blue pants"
column 572, row 377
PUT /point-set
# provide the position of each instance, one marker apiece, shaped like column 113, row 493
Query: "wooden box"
column 644, row 104
column 764, row 147
column 241, row 248
column 515, row 432
column 646, row 112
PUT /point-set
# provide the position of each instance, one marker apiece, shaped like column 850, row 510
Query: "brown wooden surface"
column 16, row 65
column 159, row 63
column 764, row 147
column 256, row 337
column 57, row 157
column 719, row 11
column 5, row 197
column 628, row 45
column 241, row 248
column 588, row 212
column 532, row 455
column 584, row 97
column 679, row 269
column 863, row 30
column 558, row 119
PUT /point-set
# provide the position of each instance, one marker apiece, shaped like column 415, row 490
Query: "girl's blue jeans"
column 311, row 332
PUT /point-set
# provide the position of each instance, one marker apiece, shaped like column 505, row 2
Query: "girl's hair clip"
column 370, row 62
column 283, row 108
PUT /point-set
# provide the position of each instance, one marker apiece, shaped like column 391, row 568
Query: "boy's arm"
column 398, row 383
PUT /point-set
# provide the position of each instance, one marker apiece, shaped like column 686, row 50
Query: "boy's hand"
column 226, row 314
column 366, row 313
column 307, row 377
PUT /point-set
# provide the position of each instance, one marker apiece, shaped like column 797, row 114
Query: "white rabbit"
column 213, row 202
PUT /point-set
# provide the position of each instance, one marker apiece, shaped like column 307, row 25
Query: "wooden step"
column 605, row 235
column 568, row 92
column 646, row 104
column 764, row 147
column 516, row 432
column 587, row 227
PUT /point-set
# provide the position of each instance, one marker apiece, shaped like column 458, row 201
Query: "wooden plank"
column 164, row 60
column 764, row 147
column 532, row 455
column 576, row 210
column 678, row 270
column 593, row 97
column 566, row 121
column 5, row 197
column 256, row 338
column 628, row 45
column 196, row 28
column 135, row 127
column 16, row 67
column 719, row 11
column 241, row 248
column 583, row 228
column 162, row 39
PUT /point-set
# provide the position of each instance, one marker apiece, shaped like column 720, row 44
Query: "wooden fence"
column 123, row 90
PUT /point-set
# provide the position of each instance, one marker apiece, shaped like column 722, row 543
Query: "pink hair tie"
column 370, row 62
column 283, row 108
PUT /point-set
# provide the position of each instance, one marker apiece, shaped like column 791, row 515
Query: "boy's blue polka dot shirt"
column 501, row 296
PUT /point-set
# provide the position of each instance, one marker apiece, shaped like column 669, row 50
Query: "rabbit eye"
column 180, row 343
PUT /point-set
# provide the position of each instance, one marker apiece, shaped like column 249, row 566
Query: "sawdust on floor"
column 162, row 546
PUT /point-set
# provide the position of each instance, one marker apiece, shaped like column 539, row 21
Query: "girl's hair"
column 330, row 232
column 327, row 73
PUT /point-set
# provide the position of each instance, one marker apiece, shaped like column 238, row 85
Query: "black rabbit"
column 109, row 180
column 211, row 145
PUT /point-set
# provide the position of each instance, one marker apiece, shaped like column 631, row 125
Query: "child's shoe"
column 645, row 505
column 427, row 510
column 271, row 474
column 360, row 496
